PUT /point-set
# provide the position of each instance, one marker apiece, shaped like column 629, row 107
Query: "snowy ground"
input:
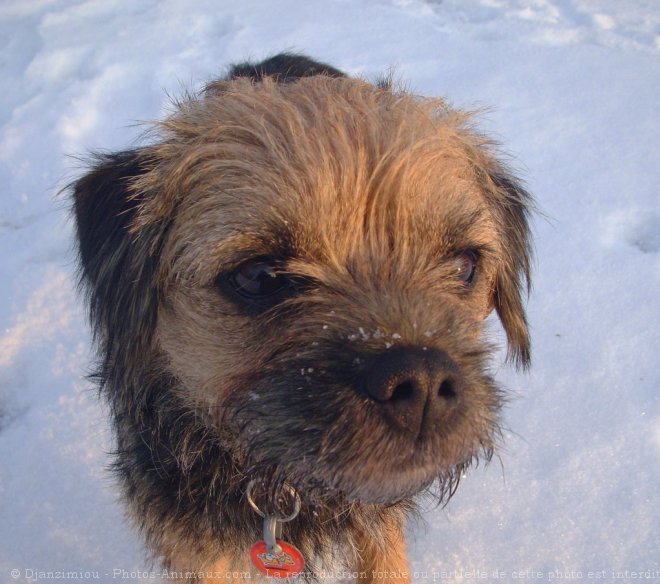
column 575, row 91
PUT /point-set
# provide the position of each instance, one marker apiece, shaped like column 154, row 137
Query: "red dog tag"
column 286, row 563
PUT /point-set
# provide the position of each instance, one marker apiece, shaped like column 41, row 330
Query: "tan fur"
column 373, row 191
column 398, row 162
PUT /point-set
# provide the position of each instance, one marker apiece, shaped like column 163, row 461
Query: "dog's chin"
column 386, row 490
column 382, row 481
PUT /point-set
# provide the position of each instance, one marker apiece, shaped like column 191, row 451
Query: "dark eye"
column 257, row 280
column 466, row 266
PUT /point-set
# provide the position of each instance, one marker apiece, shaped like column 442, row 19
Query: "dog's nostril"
column 403, row 392
column 446, row 389
column 413, row 388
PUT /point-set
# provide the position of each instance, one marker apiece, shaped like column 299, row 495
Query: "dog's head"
column 312, row 262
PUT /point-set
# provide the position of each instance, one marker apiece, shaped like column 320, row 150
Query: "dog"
column 287, row 289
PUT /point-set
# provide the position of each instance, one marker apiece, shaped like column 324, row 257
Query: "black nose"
column 417, row 389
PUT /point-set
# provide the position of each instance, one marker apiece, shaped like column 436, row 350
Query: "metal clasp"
column 272, row 527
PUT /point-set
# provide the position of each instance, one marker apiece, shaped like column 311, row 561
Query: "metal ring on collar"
column 287, row 488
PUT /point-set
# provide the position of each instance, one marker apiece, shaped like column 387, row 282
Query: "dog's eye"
column 466, row 266
column 257, row 279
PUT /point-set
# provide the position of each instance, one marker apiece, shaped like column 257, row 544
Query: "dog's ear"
column 512, row 205
column 118, row 263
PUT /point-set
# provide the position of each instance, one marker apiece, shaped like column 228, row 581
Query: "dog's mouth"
column 400, row 470
column 380, row 463
column 332, row 441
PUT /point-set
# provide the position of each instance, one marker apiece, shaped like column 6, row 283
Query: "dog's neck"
column 174, row 467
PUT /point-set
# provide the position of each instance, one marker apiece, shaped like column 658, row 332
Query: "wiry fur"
column 365, row 194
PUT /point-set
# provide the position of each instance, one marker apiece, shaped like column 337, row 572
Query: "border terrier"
column 288, row 287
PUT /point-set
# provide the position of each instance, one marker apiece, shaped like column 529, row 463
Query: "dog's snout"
column 416, row 388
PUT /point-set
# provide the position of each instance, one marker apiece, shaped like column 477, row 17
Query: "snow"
column 572, row 89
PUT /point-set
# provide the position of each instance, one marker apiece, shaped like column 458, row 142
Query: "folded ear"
column 512, row 206
column 118, row 263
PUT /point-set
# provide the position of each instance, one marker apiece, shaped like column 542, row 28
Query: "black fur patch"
column 284, row 67
column 117, row 266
